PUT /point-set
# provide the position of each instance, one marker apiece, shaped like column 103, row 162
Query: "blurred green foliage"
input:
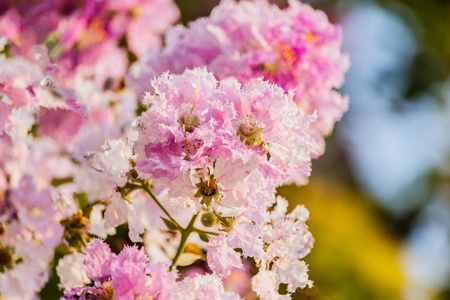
column 354, row 256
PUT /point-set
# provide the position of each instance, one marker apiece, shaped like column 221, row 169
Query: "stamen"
column 184, row 137
column 124, row 149
column 195, row 100
column 270, row 225
column 311, row 37
column 286, row 262
column 245, row 116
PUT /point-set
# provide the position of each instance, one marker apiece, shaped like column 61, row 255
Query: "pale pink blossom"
column 71, row 272
column 221, row 257
column 265, row 284
column 204, row 287
column 246, row 236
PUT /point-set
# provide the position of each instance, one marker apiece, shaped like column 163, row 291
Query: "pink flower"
column 129, row 281
column 60, row 124
column 193, row 120
column 142, row 36
column 163, row 282
column 204, row 287
column 246, row 236
column 79, row 33
column 287, row 241
column 76, row 108
column 296, row 48
column 32, row 208
column 221, row 257
column 99, row 261
column 125, row 275
column 26, row 278
column 5, row 112
column 189, row 121
column 129, row 277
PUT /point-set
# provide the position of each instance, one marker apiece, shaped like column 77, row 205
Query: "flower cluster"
column 79, row 33
column 58, row 105
column 232, row 107
column 296, row 48
column 129, row 275
column 223, row 130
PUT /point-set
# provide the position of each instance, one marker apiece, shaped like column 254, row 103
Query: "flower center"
column 288, row 57
column 189, row 121
column 250, row 131
column 75, row 230
column 6, row 259
column 207, row 190
column 192, row 147
column 210, row 187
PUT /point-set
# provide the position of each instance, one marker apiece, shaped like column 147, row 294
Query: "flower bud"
column 208, row 219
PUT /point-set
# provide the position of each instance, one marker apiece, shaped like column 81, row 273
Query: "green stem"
column 146, row 188
column 205, row 231
column 184, row 236
column 185, row 232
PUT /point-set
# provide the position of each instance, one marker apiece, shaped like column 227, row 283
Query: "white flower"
column 265, row 284
column 71, row 272
column 119, row 211
column 98, row 222
column 111, row 162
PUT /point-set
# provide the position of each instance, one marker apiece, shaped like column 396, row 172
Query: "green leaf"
column 198, row 194
column 170, row 224
column 60, row 181
column 200, row 184
column 19, row 260
column 207, row 200
column 204, row 237
column 82, row 200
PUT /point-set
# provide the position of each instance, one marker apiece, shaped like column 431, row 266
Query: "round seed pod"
column 208, row 219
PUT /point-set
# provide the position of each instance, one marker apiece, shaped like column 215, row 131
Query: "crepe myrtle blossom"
column 26, row 85
column 286, row 242
column 296, row 48
column 237, row 105
column 244, row 235
column 277, row 247
column 70, row 270
column 193, row 121
column 31, row 210
column 123, row 275
column 221, row 148
column 78, row 33
column 42, row 130
column 28, row 209
column 29, row 231
column 119, row 211
column 129, row 275
column 24, row 267
column 31, row 92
